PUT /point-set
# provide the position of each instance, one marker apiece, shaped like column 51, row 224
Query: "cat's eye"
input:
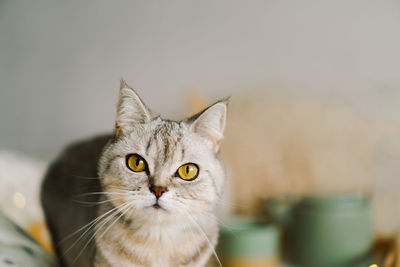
column 188, row 171
column 136, row 163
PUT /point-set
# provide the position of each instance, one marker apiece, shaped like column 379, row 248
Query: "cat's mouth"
column 157, row 206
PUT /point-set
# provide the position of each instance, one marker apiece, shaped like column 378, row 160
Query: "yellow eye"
column 188, row 171
column 136, row 163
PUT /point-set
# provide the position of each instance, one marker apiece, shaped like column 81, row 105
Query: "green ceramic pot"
column 245, row 243
column 326, row 231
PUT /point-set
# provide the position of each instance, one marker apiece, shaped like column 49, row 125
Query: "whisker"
column 105, row 221
column 232, row 204
column 103, row 193
column 123, row 211
column 229, row 228
column 194, row 236
column 94, row 203
column 90, row 225
column 208, row 240
column 84, row 177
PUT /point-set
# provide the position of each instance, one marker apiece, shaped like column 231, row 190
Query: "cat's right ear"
column 130, row 110
column 210, row 123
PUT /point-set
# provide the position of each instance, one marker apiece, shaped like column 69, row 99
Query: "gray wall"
column 61, row 61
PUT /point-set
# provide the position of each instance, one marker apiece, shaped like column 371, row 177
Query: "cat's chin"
column 156, row 207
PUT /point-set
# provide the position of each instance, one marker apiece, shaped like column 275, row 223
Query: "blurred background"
column 314, row 86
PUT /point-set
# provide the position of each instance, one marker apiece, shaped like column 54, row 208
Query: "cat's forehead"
column 170, row 140
column 165, row 136
column 160, row 130
column 166, row 128
column 162, row 140
column 157, row 135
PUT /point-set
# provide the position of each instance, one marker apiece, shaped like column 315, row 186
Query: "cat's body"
column 67, row 182
column 157, row 183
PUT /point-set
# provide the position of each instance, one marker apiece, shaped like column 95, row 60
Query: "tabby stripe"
column 197, row 254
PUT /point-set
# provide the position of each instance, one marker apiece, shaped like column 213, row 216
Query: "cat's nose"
column 158, row 190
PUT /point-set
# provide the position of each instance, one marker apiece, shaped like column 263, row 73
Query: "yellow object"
column 248, row 262
column 136, row 163
column 373, row 265
column 188, row 171
column 39, row 232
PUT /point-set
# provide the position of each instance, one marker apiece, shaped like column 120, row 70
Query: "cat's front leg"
column 101, row 261
column 203, row 253
column 200, row 261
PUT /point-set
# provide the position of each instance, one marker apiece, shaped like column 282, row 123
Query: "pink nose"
column 158, row 190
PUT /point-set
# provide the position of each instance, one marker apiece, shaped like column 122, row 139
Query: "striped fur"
column 183, row 231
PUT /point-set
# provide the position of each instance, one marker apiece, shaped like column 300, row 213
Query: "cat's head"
column 161, row 169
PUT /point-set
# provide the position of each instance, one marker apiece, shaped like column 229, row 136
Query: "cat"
column 150, row 190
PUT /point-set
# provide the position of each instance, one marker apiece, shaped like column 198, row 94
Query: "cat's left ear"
column 210, row 123
column 130, row 110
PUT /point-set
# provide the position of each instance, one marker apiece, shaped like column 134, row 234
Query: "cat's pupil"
column 187, row 169
column 137, row 162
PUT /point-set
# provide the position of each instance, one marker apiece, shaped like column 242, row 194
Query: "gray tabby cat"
column 149, row 190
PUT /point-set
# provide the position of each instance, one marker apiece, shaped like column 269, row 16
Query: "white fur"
column 186, row 221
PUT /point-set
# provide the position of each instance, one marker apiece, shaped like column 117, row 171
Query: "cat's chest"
column 161, row 247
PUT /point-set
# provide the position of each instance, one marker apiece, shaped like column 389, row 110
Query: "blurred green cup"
column 324, row 230
column 245, row 243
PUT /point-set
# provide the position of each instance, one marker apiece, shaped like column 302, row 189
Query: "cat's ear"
column 130, row 110
column 210, row 123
